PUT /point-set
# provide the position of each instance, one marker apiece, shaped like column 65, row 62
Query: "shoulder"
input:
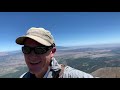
column 70, row 72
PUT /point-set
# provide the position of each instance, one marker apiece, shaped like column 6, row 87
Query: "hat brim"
column 20, row 40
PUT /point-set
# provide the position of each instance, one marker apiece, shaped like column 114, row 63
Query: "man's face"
column 37, row 62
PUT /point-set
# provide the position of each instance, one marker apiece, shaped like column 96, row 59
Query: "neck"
column 41, row 73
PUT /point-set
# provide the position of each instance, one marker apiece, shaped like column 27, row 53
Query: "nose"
column 32, row 54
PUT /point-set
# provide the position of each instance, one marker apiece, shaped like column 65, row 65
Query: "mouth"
column 34, row 63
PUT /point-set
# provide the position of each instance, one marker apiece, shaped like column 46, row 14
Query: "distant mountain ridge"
column 107, row 72
column 74, row 47
column 61, row 47
column 3, row 53
column 96, row 46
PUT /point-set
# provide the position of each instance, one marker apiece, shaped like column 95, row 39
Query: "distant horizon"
column 80, row 46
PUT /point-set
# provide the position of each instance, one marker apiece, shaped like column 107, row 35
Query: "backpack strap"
column 62, row 69
column 29, row 75
column 55, row 74
column 58, row 73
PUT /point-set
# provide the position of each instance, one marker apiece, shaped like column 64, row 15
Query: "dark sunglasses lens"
column 40, row 50
column 26, row 50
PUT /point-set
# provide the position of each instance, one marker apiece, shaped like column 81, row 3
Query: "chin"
column 34, row 71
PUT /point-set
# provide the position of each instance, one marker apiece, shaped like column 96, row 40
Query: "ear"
column 53, row 51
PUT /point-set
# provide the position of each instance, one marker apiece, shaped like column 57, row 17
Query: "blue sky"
column 68, row 28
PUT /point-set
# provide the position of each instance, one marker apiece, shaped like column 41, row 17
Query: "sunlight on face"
column 36, row 62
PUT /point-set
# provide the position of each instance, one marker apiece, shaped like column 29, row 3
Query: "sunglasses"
column 37, row 50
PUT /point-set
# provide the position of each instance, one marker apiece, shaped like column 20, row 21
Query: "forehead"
column 31, row 42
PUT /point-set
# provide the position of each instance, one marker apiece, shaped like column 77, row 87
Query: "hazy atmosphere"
column 68, row 28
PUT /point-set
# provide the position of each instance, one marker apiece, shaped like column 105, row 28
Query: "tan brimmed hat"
column 40, row 35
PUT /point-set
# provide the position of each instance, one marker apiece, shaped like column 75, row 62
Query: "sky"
column 68, row 28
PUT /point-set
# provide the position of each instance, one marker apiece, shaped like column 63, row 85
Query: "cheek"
column 26, row 58
column 47, row 58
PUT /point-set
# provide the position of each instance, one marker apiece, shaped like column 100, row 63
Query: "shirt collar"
column 54, row 66
column 45, row 76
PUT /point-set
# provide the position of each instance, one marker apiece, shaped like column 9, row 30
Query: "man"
column 39, row 49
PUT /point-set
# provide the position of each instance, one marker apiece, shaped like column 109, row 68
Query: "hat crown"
column 38, row 31
column 38, row 34
column 41, row 32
